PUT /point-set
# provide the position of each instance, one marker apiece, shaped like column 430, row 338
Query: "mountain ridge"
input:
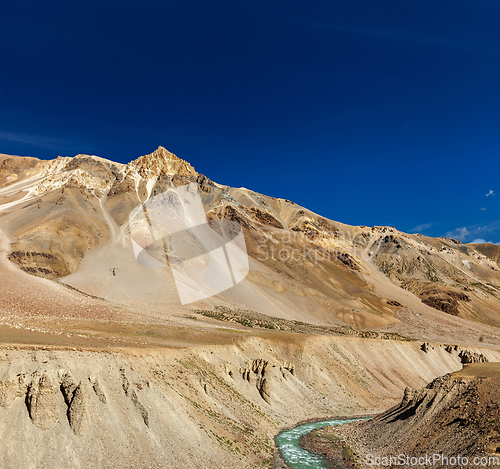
column 68, row 219
column 330, row 320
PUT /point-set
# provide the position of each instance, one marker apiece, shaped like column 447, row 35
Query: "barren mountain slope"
column 210, row 406
column 68, row 219
column 114, row 372
column 456, row 414
column 491, row 251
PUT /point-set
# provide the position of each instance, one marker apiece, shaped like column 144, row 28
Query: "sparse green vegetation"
column 88, row 295
column 253, row 319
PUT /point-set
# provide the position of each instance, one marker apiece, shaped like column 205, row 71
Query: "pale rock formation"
column 42, row 401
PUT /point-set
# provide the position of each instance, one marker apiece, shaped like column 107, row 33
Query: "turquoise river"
column 298, row 458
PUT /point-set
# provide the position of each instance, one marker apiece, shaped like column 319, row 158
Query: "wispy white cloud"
column 466, row 234
column 460, row 233
column 479, row 241
column 420, row 228
column 483, row 209
column 491, row 192
column 37, row 140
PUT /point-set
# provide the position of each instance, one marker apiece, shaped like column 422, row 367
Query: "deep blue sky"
column 367, row 112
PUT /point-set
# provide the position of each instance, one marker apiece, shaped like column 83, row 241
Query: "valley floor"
column 208, row 405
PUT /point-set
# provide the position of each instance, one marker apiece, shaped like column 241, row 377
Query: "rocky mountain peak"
column 161, row 161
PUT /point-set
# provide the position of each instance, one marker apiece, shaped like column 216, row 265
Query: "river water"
column 298, row 458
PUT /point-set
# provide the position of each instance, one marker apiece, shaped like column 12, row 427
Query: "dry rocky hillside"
column 67, row 219
column 456, row 414
column 101, row 365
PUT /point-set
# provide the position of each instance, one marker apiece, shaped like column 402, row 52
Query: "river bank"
column 339, row 444
column 300, row 449
column 330, row 447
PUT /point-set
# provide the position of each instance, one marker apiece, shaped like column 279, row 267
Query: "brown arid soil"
column 101, row 366
column 212, row 405
column 457, row 414
column 67, row 219
column 331, row 447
